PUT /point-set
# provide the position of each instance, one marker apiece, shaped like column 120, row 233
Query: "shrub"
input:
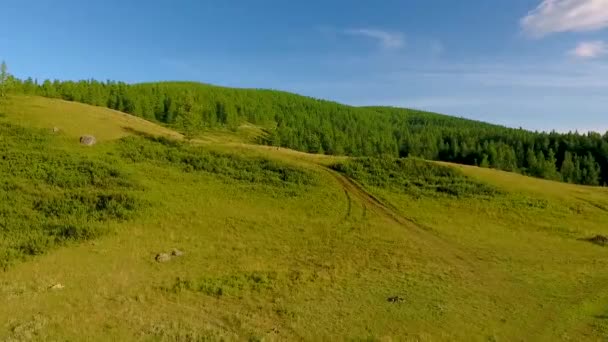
column 414, row 177
column 196, row 159
column 232, row 285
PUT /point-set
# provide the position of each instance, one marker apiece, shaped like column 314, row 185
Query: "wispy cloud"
column 553, row 16
column 557, row 76
column 386, row 39
column 590, row 50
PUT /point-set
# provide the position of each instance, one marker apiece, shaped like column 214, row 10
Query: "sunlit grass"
column 75, row 119
column 292, row 253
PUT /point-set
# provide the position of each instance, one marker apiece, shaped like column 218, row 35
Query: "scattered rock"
column 395, row 299
column 601, row 240
column 163, row 257
column 176, row 252
column 57, row 286
column 88, row 140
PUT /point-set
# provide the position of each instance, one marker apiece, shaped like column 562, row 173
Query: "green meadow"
column 279, row 244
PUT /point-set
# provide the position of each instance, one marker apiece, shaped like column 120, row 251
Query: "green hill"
column 319, row 126
column 278, row 244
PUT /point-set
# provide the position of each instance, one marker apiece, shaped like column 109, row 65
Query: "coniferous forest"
column 319, row 126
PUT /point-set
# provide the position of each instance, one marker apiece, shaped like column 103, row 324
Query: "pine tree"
column 532, row 162
column 568, row 169
column 4, row 80
column 495, row 160
column 591, row 171
column 484, row 162
column 549, row 168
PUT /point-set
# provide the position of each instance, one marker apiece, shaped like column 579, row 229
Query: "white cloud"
column 589, row 50
column 388, row 40
column 553, row 16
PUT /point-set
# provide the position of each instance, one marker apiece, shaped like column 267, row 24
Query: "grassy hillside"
column 282, row 245
column 75, row 119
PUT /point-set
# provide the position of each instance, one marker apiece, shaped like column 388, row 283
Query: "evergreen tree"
column 485, row 162
column 532, row 162
column 591, row 171
column 549, row 168
column 4, row 80
column 568, row 169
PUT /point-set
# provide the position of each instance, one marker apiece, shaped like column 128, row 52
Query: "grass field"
column 280, row 245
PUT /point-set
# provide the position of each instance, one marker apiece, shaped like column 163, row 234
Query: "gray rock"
column 163, row 257
column 88, row 140
column 395, row 299
column 57, row 286
column 176, row 252
column 56, row 129
column 601, row 240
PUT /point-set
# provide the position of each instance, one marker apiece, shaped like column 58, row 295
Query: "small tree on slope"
column 4, row 77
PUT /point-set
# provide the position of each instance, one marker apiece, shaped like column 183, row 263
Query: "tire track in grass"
column 452, row 254
column 349, row 203
column 461, row 261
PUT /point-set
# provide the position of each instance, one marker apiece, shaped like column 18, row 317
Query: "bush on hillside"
column 196, row 159
column 414, row 177
column 49, row 197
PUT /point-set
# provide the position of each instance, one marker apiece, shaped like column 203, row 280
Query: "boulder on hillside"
column 176, row 252
column 395, row 299
column 57, row 286
column 163, row 257
column 88, row 140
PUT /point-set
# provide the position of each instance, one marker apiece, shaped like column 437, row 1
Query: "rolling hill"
column 325, row 127
column 279, row 244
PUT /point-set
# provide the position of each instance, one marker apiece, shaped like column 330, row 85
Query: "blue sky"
column 538, row 64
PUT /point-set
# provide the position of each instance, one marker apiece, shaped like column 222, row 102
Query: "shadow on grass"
column 264, row 138
column 599, row 240
column 136, row 132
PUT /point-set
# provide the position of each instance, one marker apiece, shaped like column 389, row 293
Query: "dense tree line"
column 320, row 126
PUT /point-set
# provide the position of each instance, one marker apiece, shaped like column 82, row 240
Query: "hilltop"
column 279, row 244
